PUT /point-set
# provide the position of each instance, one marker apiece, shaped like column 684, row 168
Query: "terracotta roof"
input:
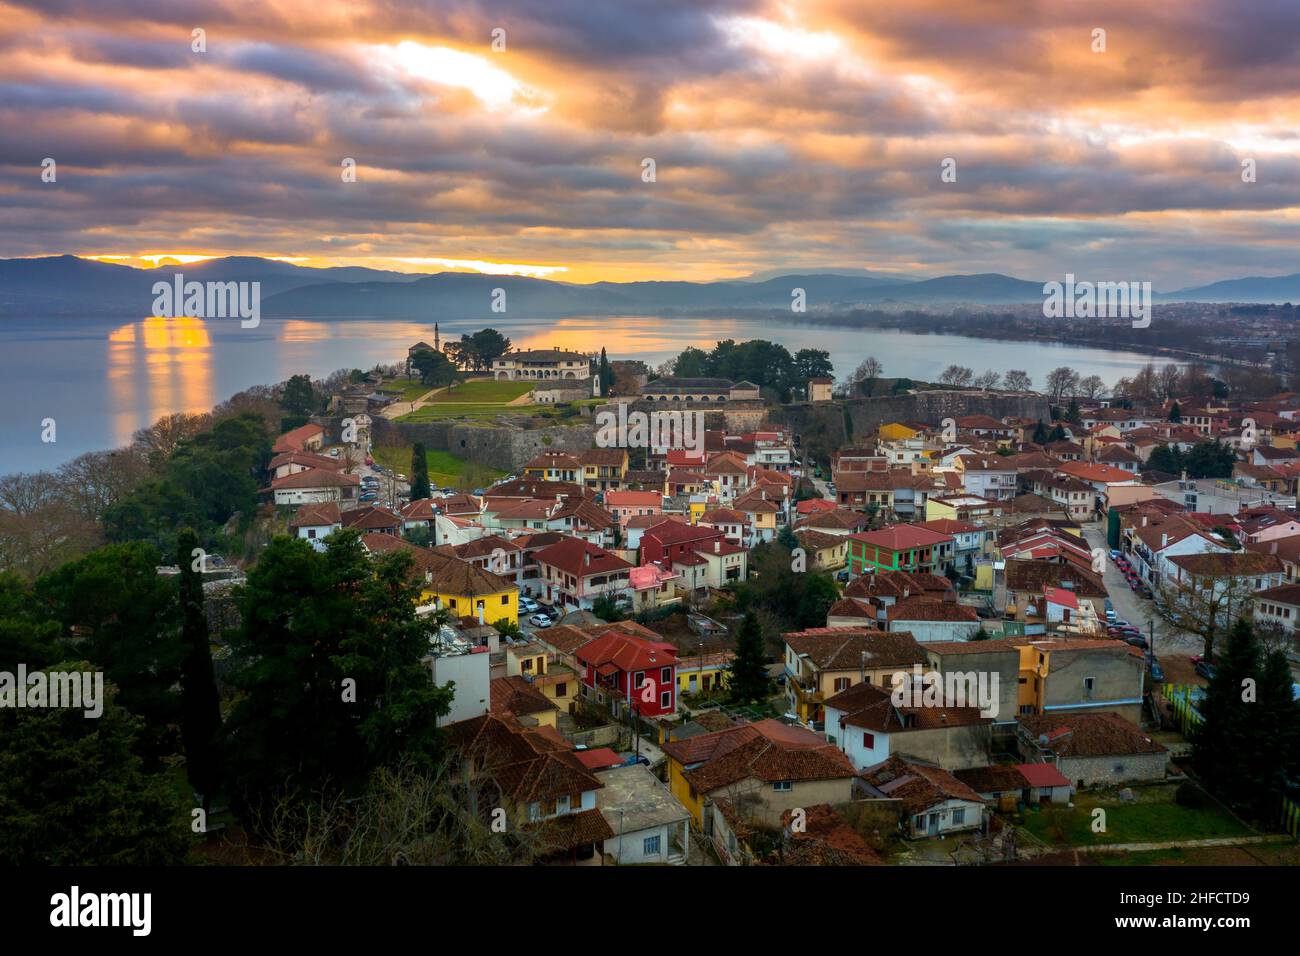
column 997, row 778
column 872, row 707
column 316, row 478
column 929, row 609
column 317, row 515
column 528, row 764
column 571, row 830
column 918, row 785
column 768, row 751
column 581, row 558
column 901, row 537
column 825, row 839
column 295, row 439
column 842, row 648
column 1232, row 563
column 1034, row 576
column 515, row 695
column 1089, row 735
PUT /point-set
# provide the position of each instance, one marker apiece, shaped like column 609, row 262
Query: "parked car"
column 1157, row 672
column 1115, row 554
column 539, row 620
column 334, row 452
column 842, row 576
column 1205, row 669
column 1136, row 641
column 369, row 496
column 529, row 605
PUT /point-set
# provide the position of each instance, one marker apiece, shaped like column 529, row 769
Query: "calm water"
column 101, row 380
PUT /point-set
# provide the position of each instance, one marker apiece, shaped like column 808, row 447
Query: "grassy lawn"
column 430, row 413
column 406, row 390
column 483, row 391
column 1146, row 821
column 445, row 469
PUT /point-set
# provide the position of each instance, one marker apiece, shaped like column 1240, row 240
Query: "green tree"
column 434, row 368
column 75, row 792
column 1175, row 413
column 1040, row 434
column 298, row 397
column 419, row 472
column 606, row 373
column 1210, row 460
column 748, row 681
column 1166, row 458
column 200, row 706
column 605, row 609
column 690, row 363
column 327, row 660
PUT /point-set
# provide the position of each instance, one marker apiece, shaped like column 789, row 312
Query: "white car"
column 528, row 604
column 539, row 620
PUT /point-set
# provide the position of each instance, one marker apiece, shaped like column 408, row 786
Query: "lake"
column 100, row 380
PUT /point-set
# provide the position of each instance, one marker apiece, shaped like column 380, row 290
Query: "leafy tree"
column 812, row 363
column 419, row 472
column 434, row 368
column 690, row 363
column 27, row 636
column 1072, row 414
column 122, row 612
column 605, row 609
column 418, row 535
column 1166, row 458
column 200, row 707
column 327, row 659
column 298, row 397
column 748, row 681
column 1210, row 460
column 75, row 792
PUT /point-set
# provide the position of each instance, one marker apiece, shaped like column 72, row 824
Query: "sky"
column 512, row 136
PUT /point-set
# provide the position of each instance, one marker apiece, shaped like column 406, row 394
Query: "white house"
column 316, row 522
column 649, row 824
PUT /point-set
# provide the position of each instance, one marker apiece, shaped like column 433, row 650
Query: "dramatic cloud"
column 784, row 134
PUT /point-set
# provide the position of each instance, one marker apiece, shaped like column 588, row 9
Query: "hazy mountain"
column 67, row 285
column 1252, row 289
column 867, row 275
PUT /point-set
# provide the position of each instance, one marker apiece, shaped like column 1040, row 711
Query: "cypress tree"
column 749, row 680
column 419, row 472
column 200, row 707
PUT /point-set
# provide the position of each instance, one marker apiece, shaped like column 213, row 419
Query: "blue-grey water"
column 100, row 380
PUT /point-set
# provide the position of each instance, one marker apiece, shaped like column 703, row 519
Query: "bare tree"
column 1092, row 387
column 1208, row 604
column 988, row 380
column 1061, row 381
column 958, row 375
column 1017, row 380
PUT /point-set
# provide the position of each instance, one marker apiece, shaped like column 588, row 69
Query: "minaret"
column 437, row 345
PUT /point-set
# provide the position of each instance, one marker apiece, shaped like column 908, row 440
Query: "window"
column 1088, row 683
column 562, row 804
column 841, row 683
column 958, row 817
column 534, row 811
column 650, row 846
column 665, row 675
column 561, row 689
column 666, row 699
column 868, row 740
column 638, row 679
column 505, row 599
column 527, row 663
column 782, row 786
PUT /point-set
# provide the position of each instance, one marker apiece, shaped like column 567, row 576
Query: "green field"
column 406, row 390
column 1154, row 821
column 445, row 469
column 482, row 391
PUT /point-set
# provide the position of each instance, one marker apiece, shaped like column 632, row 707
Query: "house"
column 372, row 519
column 553, row 466
column 990, row 657
column 1005, row 785
column 898, row 548
column 764, row 508
column 466, row 590
column 314, row 486
column 574, row 573
column 292, row 462
column 534, row 775
column 823, row 661
column 869, row 726
column 764, row 769
column 679, row 390
column 987, row 476
column 733, row 524
column 716, row 566
column 627, row 504
column 702, row 673
column 933, row 801
column 516, row 697
column 669, row 540
column 653, row 587
column 314, row 523
column 827, row 552
column 1278, row 607
column 1093, row 749
column 309, row 437
column 628, row 669
column 1219, row 584
column 541, row 365
column 834, row 520
column 649, row 824
column 928, row 619
column 604, row 468
column 1080, row 675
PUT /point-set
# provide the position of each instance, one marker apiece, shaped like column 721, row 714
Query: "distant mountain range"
column 68, row 285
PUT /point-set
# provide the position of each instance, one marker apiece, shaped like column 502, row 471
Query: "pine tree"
column 749, row 681
column 1040, row 434
column 1278, row 730
column 200, row 705
column 606, row 373
column 1175, row 413
column 419, row 473
column 1227, row 750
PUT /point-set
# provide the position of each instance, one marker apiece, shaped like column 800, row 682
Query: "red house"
column 626, row 667
column 666, row 542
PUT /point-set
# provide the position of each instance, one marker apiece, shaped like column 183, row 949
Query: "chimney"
column 586, row 558
column 717, row 547
column 1164, row 539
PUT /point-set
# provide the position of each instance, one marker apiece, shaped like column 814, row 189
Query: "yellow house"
column 827, row 551
column 467, row 590
column 556, row 681
column 822, row 661
column 897, row 431
column 701, row 673
column 604, row 469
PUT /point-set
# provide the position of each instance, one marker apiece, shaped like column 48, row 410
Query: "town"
column 838, row 622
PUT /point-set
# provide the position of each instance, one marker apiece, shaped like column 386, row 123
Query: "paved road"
column 1139, row 611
